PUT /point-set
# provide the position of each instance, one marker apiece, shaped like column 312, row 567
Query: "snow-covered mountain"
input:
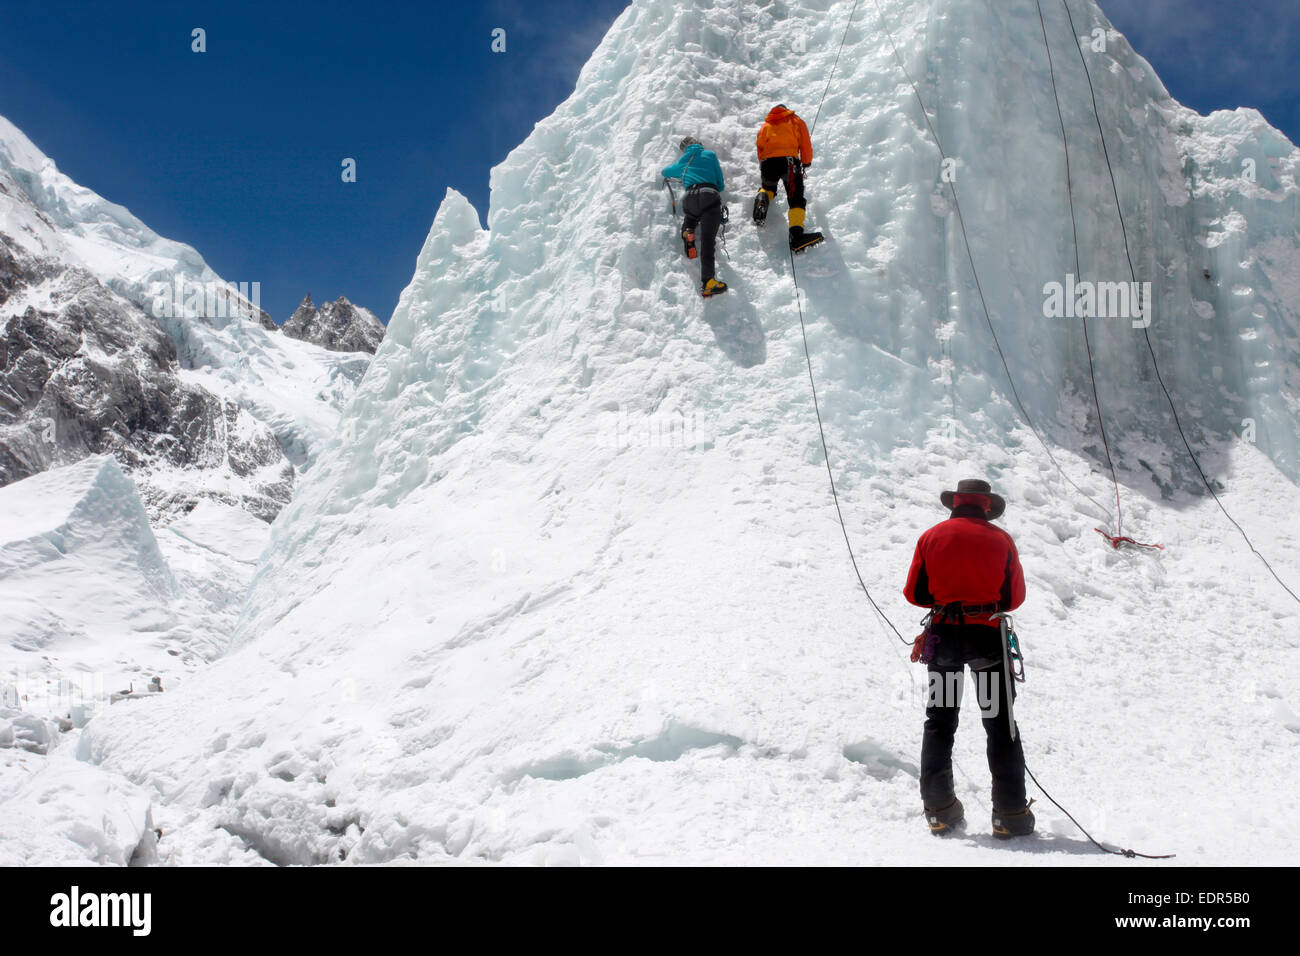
column 118, row 340
column 85, row 370
column 338, row 326
column 153, row 420
column 571, row 588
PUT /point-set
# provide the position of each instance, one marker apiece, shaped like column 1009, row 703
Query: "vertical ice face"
column 521, row 339
column 573, row 546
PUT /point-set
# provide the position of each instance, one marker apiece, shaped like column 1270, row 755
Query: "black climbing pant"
column 786, row 170
column 980, row 647
column 703, row 210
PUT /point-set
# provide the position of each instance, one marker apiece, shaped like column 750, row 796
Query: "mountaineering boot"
column 800, row 240
column 760, row 206
column 946, row 820
column 713, row 287
column 1013, row 823
column 688, row 240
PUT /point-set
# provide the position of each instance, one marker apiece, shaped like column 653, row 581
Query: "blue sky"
column 237, row 151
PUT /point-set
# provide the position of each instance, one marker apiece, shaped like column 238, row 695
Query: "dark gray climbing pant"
column 703, row 216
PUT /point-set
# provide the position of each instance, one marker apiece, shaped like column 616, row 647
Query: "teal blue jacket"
column 698, row 166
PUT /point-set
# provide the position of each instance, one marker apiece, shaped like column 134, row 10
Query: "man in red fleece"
column 967, row 569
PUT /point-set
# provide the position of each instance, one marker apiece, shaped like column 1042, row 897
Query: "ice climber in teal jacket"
column 701, row 174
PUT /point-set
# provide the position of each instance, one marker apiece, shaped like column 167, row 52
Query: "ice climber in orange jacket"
column 784, row 152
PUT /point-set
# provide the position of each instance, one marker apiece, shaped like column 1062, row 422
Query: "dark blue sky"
column 237, row 151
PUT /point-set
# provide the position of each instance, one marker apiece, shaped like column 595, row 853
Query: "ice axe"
column 1010, row 652
column 668, row 183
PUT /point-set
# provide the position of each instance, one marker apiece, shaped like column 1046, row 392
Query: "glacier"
column 293, row 388
column 93, row 597
column 95, row 601
column 567, row 585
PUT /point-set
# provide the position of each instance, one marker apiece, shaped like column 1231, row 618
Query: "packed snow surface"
column 94, row 600
column 569, row 588
column 61, row 811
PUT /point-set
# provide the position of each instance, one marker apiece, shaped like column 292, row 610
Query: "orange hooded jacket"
column 784, row 134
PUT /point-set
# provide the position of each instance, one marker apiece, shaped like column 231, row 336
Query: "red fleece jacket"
column 966, row 559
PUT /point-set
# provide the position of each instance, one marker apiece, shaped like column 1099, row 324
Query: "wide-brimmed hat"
column 976, row 486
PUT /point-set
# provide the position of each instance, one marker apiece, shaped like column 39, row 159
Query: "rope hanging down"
column 1118, row 538
column 1096, row 112
column 821, row 431
column 961, row 222
column 827, row 456
column 831, row 75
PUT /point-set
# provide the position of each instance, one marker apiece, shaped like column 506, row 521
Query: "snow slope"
column 571, row 589
column 93, row 600
column 60, row 811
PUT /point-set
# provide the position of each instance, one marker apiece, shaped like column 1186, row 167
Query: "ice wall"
column 569, row 586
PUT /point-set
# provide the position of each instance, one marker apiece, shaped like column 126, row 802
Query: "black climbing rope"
column 979, row 289
column 826, row 454
column 1078, row 271
column 1146, row 334
column 831, row 76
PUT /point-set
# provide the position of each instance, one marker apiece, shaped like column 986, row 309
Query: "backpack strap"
column 688, row 167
